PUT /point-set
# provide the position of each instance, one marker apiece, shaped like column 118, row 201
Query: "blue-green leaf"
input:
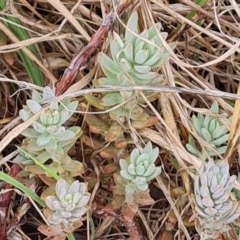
column 111, row 99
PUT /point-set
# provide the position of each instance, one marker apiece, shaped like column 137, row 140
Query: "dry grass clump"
column 204, row 66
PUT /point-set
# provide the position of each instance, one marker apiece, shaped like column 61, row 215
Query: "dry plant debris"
column 135, row 134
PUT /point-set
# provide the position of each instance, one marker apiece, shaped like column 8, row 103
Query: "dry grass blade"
column 234, row 132
column 68, row 15
column 16, row 131
column 180, row 222
column 48, row 74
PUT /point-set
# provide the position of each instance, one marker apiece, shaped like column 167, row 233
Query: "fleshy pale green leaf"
column 220, row 140
column 51, row 129
column 153, row 155
column 215, row 107
column 206, row 135
column 148, row 148
column 151, row 48
column 200, row 119
column 142, row 157
column 36, row 96
column 149, row 171
column 125, row 64
column 72, row 106
column 30, row 133
column 119, row 40
column 134, row 156
column 109, row 81
column 128, row 51
column 143, row 35
column 140, row 170
column 196, row 125
column 132, row 25
column 146, row 76
column 47, row 93
column 108, row 63
column 154, row 30
column 207, row 121
column 143, row 187
column 141, row 56
column 117, row 113
column 193, row 150
column 123, row 164
column 34, row 106
column 131, row 169
column 126, row 175
column 212, row 126
column 123, row 79
column 191, row 141
column 111, row 99
column 156, row 173
column 219, row 132
column 115, row 48
column 153, row 59
column 163, row 59
column 54, row 105
column 138, row 47
column 67, row 135
column 39, row 127
column 142, row 68
column 43, row 139
column 25, row 115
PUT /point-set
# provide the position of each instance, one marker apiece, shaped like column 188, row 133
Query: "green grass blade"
column 21, row 187
column 33, row 71
column 70, row 236
column 47, row 170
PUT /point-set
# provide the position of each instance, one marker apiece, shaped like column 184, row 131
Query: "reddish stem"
column 133, row 228
column 83, row 56
column 5, row 200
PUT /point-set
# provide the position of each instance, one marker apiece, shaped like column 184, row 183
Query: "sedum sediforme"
column 131, row 188
column 69, row 204
column 212, row 131
column 141, row 168
column 133, row 196
column 214, row 202
column 133, row 61
column 48, row 138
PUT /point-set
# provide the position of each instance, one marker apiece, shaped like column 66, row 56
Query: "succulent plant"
column 212, row 131
column 214, row 202
column 133, row 195
column 236, row 191
column 69, row 204
column 132, row 62
column 141, row 168
column 21, row 159
column 48, row 138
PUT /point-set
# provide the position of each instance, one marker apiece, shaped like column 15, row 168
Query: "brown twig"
column 82, row 57
column 5, row 200
column 133, row 228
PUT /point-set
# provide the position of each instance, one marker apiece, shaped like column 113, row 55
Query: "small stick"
column 133, row 228
column 82, row 57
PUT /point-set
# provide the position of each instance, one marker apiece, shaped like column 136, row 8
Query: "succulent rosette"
column 69, row 204
column 215, row 204
column 47, row 136
column 133, row 61
column 141, row 168
column 212, row 131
